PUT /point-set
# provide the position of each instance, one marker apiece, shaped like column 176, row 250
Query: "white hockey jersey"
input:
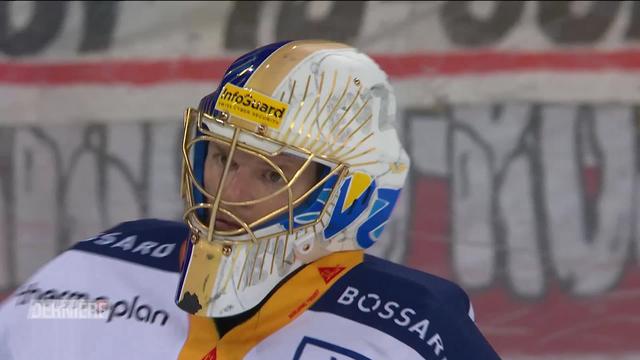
column 344, row 306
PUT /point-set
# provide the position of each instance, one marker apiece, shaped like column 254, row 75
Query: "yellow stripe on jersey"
column 201, row 339
column 293, row 298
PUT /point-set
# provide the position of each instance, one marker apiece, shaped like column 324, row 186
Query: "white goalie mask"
column 292, row 158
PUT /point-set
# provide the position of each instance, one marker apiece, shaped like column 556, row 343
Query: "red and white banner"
column 90, row 56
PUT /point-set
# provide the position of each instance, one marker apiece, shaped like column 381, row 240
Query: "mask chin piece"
column 308, row 250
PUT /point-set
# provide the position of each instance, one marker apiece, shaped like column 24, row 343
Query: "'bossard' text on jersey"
column 381, row 310
column 344, row 306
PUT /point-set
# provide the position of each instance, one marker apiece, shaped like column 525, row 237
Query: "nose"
column 237, row 186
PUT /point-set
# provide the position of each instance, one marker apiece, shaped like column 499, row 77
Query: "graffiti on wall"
column 62, row 183
column 532, row 185
column 534, row 190
column 530, row 207
column 533, row 208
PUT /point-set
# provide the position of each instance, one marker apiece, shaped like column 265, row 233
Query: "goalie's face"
column 251, row 202
column 250, row 178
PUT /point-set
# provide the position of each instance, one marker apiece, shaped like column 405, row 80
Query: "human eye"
column 273, row 177
column 219, row 156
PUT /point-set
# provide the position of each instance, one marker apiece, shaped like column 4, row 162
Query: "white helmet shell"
column 338, row 109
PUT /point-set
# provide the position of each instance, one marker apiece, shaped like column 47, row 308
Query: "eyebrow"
column 285, row 161
column 282, row 160
column 218, row 146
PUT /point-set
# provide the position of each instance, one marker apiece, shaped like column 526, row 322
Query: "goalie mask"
column 292, row 158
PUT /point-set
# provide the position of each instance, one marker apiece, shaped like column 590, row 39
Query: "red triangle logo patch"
column 212, row 355
column 328, row 273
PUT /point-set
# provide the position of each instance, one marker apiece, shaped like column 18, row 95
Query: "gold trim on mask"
column 271, row 72
column 194, row 120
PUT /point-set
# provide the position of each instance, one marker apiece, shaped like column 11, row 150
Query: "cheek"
column 211, row 177
column 276, row 202
column 306, row 182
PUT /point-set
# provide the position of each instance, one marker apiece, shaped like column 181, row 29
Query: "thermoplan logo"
column 132, row 309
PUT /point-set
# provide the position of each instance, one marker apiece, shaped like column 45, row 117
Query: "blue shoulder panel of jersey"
column 446, row 290
column 150, row 242
column 427, row 313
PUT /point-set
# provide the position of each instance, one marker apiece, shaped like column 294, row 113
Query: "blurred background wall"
column 521, row 117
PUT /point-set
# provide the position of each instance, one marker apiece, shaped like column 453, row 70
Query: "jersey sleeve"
column 133, row 268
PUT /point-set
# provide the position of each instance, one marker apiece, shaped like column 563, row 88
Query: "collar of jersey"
column 293, row 298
